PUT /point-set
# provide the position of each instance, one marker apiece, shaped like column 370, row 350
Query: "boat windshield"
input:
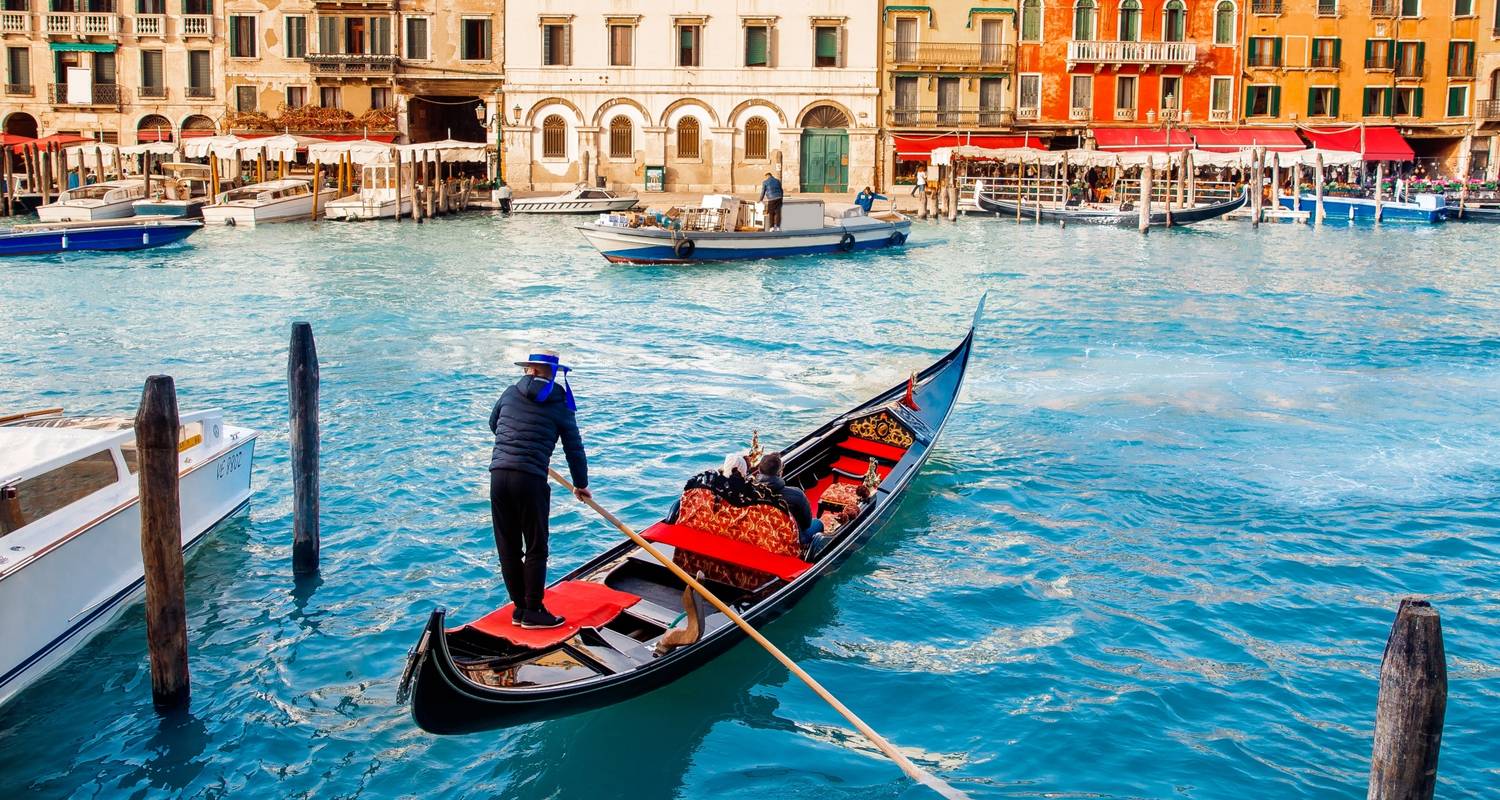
column 32, row 499
column 90, row 192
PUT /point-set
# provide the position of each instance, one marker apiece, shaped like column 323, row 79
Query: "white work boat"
column 71, row 528
column 107, row 200
column 270, row 201
column 580, row 200
column 724, row 228
column 377, row 196
column 181, row 192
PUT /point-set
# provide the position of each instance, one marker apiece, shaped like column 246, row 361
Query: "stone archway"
column 825, row 149
column 153, row 128
column 21, row 124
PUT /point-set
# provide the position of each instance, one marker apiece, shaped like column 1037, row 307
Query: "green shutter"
column 1416, row 107
column 828, row 43
column 755, row 47
column 685, row 35
column 1338, row 51
column 1275, row 101
column 1421, row 56
column 1248, row 98
column 1276, row 51
column 1455, row 101
column 1369, row 51
column 1390, row 101
column 1333, row 103
column 1310, row 94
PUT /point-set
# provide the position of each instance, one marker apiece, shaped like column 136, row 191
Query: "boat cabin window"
column 95, row 192
column 34, row 498
column 592, row 194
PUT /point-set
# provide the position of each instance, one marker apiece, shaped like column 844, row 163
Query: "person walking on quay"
column 504, row 194
column 770, row 192
column 921, row 182
column 528, row 420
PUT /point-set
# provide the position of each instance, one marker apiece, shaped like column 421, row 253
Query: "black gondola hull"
column 445, row 701
column 1127, row 219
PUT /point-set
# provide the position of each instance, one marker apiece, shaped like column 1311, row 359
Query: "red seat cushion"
column 869, row 448
column 583, row 604
column 742, row 554
column 858, row 467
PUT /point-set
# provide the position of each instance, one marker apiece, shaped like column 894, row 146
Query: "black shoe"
column 540, row 619
column 515, row 616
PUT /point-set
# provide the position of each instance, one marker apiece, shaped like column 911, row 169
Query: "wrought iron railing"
column 951, row 54
column 949, row 117
column 1265, row 7
column 351, row 64
column 1380, row 62
column 1383, row 8
column 1328, row 8
column 19, row 88
column 152, row 93
column 101, row 94
column 1488, row 109
column 1324, row 61
column 199, row 92
column 1410, row 69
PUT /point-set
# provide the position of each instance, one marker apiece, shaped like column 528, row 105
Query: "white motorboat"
column 270, row 201
column 377, row 196
column 725, row 228
column 181, row 192
column 70, row 524
column 581, row 200
column 107, row 200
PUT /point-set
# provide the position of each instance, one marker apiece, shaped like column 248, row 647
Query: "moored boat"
column 133, row 233
column 579, row 200
column 269, row 201
column 71, row 526
column 96, row 201
column 181, row 192
column 1093, row 214
column 1474, row 212
column 1422, row 208
column 378, row 195
column 724, row 228
column 622, row 604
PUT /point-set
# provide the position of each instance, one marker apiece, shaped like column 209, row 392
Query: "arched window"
column 755, row 139
column 1224, row 23
column 621, row 138
column 1031, row 21
column 1085, row 16
column 1174, row 21
column 687, row 137
column 554, row 137
column 1130, row 21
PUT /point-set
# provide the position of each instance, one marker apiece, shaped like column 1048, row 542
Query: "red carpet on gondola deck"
column 582, row 603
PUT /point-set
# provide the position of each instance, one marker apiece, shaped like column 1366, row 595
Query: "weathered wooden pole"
column 1145, row 209
column 10, row 183
column 1318, row 188
column 416, row 195
column 430, row 172
column 953, row 193
column 1379, row 190
column 156, row 432
column 1257, row 188
column 317, row 187
column 1275, row 184
column 213, row 176
column 1167, row 206
column 302, row 388
column 1413, row 699
column 397, row 154
column 1020, row 180
column 145, row 172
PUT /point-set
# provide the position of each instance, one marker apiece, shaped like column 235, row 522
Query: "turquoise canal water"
column 1156, row 554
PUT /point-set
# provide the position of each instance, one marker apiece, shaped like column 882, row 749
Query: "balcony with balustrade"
column 100, row 94
column 1488, row 110
column 19, row 89
column 1220, row 115
column 350, row 65
column 81, row 24
column 1384, row 8
column 15, row 22
column 1265, row 7
column 1125, row 115
column 1144, row 54
column 151, row 93
column 1080, row 113
column 197, row 26
column 947, row 118
column 951, row 55
column 149, row 26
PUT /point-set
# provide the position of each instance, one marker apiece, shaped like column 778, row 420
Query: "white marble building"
column 715, row 92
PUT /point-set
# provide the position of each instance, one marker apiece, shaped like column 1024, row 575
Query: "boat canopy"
column 448, row 150
column 362, row 151
column 282, row 145
column 202, row 146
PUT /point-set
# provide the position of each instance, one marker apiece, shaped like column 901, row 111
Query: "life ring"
column 683, row 248
column 847, row 242
column 897, row 238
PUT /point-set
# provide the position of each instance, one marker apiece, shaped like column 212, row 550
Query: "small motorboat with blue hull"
column 1421, row 208
column 727, row 229
column 65, row 237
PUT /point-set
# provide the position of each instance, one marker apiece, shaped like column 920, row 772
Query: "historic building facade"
column 435, row 66
column 120, row 73
column 691, row 95
column 1088, row 65
column 948, row 78
column 1407, row 64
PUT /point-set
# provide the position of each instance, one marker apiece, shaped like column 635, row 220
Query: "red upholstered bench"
column 855, row 466
column 876, row 449
column 741, row 554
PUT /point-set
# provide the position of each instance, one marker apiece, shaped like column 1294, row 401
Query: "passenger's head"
column 770, row 465
column 868, row 190
column 735, row 463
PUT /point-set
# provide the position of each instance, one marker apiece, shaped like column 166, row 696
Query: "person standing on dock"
column 770, row 192
column 528, row 420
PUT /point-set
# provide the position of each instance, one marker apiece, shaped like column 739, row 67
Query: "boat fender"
column 684, row 248
column 847, row 242
column 229, row 221
column 896, row 239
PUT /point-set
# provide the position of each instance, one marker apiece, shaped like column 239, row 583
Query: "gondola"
column 1089, row 215
column 471, row 677
column 1474, row 213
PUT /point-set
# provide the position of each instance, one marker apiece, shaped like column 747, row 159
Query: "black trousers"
column 773, row 213
column 519, row 506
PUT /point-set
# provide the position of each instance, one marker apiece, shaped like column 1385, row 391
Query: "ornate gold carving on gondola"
column 882, row 427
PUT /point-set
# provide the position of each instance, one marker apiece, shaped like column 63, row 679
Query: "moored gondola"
column 620, row 605
column 1093, row 215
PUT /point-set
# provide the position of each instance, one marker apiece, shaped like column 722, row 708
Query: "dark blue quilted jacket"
column 526, row 430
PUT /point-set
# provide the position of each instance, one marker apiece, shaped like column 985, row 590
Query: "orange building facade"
column 1131, row 64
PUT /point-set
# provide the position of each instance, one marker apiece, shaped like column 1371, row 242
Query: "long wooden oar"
column 913, row 771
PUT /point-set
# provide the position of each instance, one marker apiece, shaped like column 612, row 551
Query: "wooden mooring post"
column 156, row 432
column 302, row 388
column 1145, row 208
column 1413, row 699
column 1318, row 189
column 1379, row 190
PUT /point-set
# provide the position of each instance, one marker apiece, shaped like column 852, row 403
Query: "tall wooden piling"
column 1190, row 170
column 1020, row 179
column 156, row 433
column 922, row 198
column 302, row 389
column 1379, row 190
column 317, row 187
column 397, row 154
column 10, row 183
column 44, row 172
column 1257, row 188
column 99, row 164
column 416, row 196
column 1275, row 184
column 1145, row 208
column 430, row 172
column 213, row 176
column 1413, row 700
column 146, row 172
column 1318, row 188
column 1171, row 177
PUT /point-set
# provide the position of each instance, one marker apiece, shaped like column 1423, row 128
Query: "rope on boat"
column 912, row 771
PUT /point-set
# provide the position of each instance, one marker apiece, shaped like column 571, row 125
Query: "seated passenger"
column 809, row 530
column 733, row 478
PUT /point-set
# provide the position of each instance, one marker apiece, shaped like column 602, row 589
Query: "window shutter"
column 1276, row 51
column 1416, row 106
column 1390, row 101
column 1333, row 103
column 1338, row 49
column 1369, row 50
column 1249, row 98
column 1275, row 101
column 1421, row 55
column 567, row 48
column 755, row 46
column 1311, row 93
column 828, row 45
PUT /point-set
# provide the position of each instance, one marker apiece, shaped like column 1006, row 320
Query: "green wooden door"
column 825, row 160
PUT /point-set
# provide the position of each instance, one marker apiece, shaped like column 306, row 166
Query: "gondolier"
column 528, row 420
